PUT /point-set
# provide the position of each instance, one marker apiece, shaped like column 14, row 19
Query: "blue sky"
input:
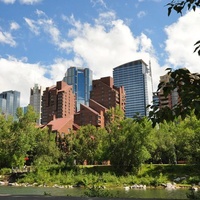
column 40, row 39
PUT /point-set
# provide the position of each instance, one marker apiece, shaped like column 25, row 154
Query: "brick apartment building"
column 57, row 102
column 104, row 95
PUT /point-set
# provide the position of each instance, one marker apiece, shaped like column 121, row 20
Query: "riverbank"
column 149, row 176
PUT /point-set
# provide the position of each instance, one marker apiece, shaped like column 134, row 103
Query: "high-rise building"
column 81, row 80
column 9, row 102
column 107, row 94
column 172, row 99
column 36, row 100
column 58, row 102
column 136, row 78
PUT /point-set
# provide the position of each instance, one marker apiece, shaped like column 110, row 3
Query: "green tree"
column 164, row 140
column 128, row 143
column 87, row 143
column 187, row 86
column 188, row 139
column 45, row 151
column 6, row 138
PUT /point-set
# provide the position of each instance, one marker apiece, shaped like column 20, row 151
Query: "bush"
column 5, row 171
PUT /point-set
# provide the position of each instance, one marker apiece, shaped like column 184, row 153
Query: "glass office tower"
column 81, row 80
column 9, row 102
column 136, row 78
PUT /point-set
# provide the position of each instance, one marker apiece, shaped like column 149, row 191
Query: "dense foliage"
column 126, row 143
column 186, row 85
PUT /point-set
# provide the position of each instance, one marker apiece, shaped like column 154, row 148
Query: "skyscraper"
column 81, row 80
column 36, row 100
column 136, row 78
column 9, row 102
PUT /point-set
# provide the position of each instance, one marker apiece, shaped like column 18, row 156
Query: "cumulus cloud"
column 101, row 46
column 182, row 35
column 108, row 43
column 32, row 73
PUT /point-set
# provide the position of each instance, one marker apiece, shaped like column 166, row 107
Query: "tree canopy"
column 187, row 86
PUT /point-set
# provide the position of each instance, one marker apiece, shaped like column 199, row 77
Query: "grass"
column 85, row 176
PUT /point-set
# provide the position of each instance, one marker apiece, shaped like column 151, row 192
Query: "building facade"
column 107, row 94
column 172, row 99
column 81, row 80
column 57, row 102
column 136, row 78
column 9, row 102
column 92, row 114
column 104, row 95
column 36, row 100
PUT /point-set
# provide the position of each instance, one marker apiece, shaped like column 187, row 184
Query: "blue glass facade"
column 9, row 102
column 136, row 78
column 81, row 80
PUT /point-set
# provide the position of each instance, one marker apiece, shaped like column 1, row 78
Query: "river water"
column 78, row 192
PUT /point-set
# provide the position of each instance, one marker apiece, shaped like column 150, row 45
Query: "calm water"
column 133, row 193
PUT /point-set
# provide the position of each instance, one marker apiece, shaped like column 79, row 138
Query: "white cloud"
column 30, row 2
column 14, row 26
column 7, row 38
column 101, row 46
column 22, row 77
column 8, row 1
column 32, row 25
column 182, row 36
column 40, row 12
column 109, row 43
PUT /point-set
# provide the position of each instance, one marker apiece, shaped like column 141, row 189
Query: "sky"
column 41, row 39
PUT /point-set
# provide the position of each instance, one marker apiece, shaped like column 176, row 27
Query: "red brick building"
column 92, row 114
column 57, row 102
column 104, row 95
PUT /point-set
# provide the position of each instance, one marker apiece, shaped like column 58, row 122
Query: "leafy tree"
column 179, row 6
column 191, row 138
column 187, row 86
column 5, row 141
column 21, row 138
column 127, row 147
column 87, row 143
column 45, row 151
column 164, row 140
